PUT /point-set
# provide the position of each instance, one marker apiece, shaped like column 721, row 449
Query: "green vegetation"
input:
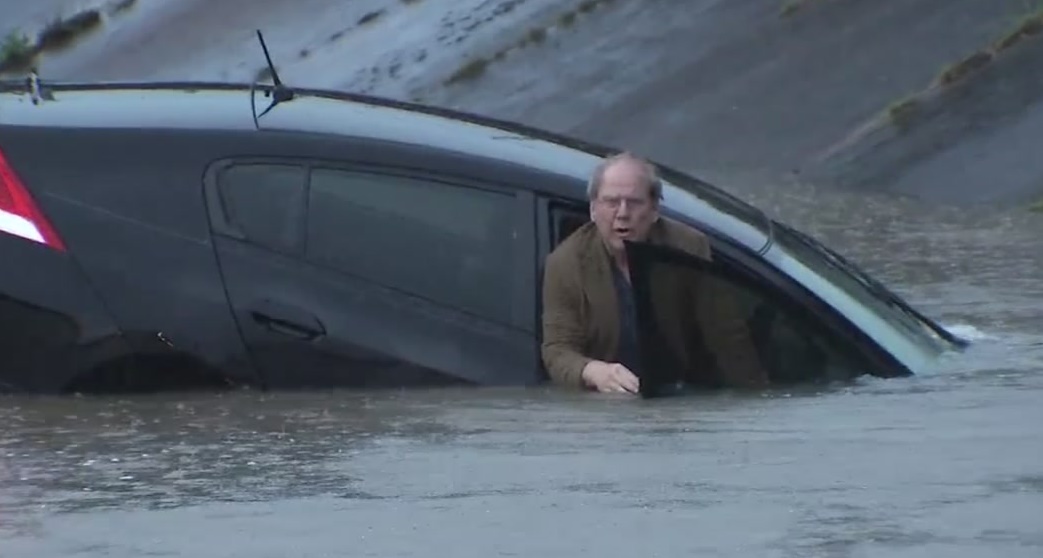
column 1029, row 25
column 790, row 7
column 900, row 113
column 474, row 68
column 959, row 70
column 371, row 17
column 588, row 6
column 18, row 53
column 1037, row 206
column 536, row 35
column 122, row 6
column 60, row 32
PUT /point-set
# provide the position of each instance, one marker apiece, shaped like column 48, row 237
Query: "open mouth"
column 623, row 231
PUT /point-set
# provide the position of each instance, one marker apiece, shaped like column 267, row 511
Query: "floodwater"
column 946, row 464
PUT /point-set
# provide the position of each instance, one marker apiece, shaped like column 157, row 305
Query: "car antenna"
column 279, row 92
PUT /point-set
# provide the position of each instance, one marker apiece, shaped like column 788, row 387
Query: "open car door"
column 714, row 323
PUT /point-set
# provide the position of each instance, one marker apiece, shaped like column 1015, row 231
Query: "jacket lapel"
column 601, row 297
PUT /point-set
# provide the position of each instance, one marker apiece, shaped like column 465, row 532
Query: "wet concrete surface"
column 945, row 464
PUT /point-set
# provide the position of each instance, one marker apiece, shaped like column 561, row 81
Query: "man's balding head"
column 624, row 193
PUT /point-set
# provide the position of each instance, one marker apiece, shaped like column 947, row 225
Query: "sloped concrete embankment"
column 741, row 93
column 30, row 31
column 736, row 92
column 972, row 134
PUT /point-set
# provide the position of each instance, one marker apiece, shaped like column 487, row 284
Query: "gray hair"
column 655, row 184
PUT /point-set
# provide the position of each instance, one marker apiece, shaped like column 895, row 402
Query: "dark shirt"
column 628, row 352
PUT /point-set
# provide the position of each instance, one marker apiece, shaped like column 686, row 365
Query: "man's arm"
column 562, row 328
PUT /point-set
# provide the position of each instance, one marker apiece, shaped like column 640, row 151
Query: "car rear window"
column 447, row 243
column 260, row 200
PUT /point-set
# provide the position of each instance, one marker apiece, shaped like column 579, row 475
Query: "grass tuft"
column 1031, row 24
column 472, row 70
column 371, row 17
column 475, row 68
column 17, row 53
column 60, row 32
column 122, row 6
column 790, row 7
column 960, row 70
column 902, row 112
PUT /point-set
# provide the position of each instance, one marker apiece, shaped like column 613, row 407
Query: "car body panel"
column 365, row 333
column 139, row 231
column 55, row 326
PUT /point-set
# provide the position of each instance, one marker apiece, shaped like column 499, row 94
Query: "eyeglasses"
column 613, row 202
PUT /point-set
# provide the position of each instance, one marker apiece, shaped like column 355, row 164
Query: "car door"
column 744, row 308
column 351, row 273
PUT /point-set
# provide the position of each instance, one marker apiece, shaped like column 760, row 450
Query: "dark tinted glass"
column 446, row 243
column 262, row 201
column 701, row 323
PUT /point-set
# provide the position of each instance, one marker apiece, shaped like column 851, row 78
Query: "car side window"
column 565, row 219
column 451, row 244
column 259, row 200
column 696, row 330
column 790, row 344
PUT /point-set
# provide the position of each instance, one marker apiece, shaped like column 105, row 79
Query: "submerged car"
column 155, row 235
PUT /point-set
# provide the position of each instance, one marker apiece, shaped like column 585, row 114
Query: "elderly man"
column 589, row 323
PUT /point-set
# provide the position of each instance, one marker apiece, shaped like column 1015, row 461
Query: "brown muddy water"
column 947, row 464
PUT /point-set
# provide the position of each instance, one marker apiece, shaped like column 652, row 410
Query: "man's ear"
column 590, row 206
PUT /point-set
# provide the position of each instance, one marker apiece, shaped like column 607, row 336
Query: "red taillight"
column 19, row 214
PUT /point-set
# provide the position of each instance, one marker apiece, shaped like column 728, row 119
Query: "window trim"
column 217, row 212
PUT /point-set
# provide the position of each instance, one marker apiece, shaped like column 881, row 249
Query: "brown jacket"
column 581, row 314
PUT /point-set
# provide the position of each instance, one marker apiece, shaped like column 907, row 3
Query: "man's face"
column 624, row 208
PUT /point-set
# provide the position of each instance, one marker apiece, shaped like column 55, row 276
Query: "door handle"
column 287, row 320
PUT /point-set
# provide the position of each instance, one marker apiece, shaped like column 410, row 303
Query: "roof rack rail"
column 29, row 84
column 36, row 91
column 279, row 92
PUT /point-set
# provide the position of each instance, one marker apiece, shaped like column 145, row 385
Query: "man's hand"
column 609, row 377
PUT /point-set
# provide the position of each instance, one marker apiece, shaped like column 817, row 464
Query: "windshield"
column 863, row 288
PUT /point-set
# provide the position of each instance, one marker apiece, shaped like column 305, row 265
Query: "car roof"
column 226, row 106
column 199, row 105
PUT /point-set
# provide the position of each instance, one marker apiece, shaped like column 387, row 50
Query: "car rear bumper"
column 53, row 326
